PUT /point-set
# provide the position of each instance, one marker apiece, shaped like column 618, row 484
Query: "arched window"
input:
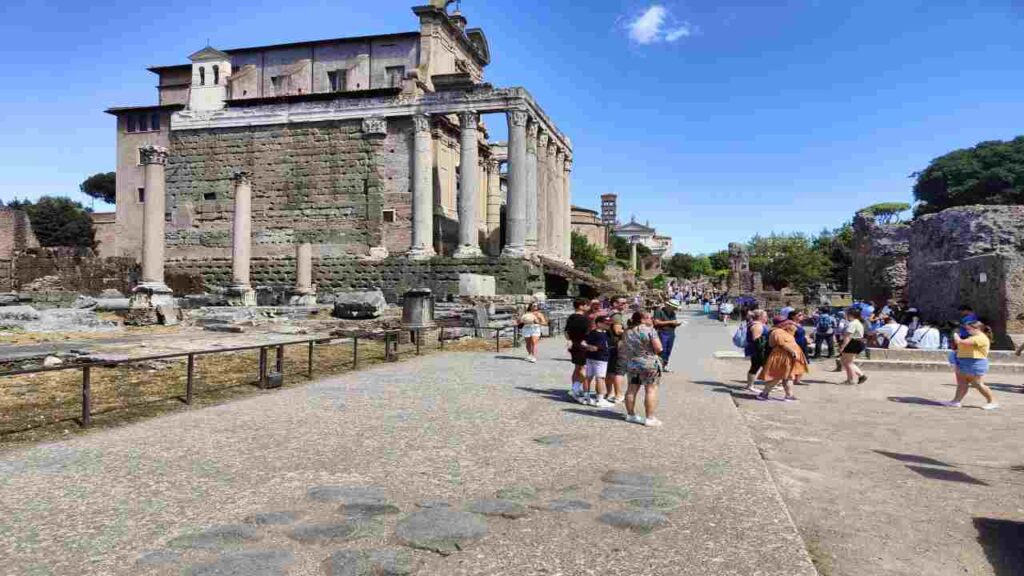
column 202, row 76
column 216, row 74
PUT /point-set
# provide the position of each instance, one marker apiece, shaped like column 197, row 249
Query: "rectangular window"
column 280, row 85
column 388, row 216
column 337, row 79
column 131, row 123
column 143, row 123
column 395, row 76
column 154, row 122
column 141, row 195
column 209, row 195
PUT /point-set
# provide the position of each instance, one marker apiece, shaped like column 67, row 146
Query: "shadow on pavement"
column 1006, row 387
column 605, row 414
column 947, row 475
column 719, row 386
column 556, row 394
column 1003, row 542
column 504, row 357
column 915, row 400
column 913, row 458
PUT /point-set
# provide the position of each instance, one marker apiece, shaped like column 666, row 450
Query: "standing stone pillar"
column 515, row 220
column 422, row 190
column 567, row 187
column 304, row 294
column 152, row 301
column 554, row 201
column 493, row 207
column 240, row 292
column 543, row 195
column 531, row 188
column 469, row 188
column 633, row 255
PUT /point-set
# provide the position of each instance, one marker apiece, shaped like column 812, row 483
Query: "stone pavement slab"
column 436, row 433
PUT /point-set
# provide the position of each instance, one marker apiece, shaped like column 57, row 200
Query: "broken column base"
column 307, row 299
column 152, row 304
column 240, row 296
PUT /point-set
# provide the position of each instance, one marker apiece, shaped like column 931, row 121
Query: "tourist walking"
column 800, row 336
column 851, row 346
column 756, row 347
column 665, row 322
column 725, row 311
column 640, row 352
column 532, row 323
column 972, row 363
column 577, row 325
column 824, row 333
column 785, row 363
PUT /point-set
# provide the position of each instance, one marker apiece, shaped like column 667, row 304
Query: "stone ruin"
column 741, row 280
column 880, row 254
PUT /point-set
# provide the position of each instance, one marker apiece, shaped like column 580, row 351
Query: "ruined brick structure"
column 742, row 281
column 880, row 253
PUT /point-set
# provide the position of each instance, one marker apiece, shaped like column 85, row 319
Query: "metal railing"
column 265, row 378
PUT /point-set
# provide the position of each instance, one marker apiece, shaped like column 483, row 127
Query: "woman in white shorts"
column 531, row 324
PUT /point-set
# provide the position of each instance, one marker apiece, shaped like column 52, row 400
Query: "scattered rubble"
column 359, row 305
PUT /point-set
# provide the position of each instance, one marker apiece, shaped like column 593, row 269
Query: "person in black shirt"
column 598, row 354
column 665, row 322
column 577, row 325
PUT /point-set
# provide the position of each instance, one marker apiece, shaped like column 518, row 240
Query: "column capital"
column 560, row 153
column 469, row 119
column 553, row 147
column 543, row 138
column 375, row 126
column 493, row 164
column 242, row 177
column 518, row 117
column 153, row 155
column 421, row 122
column 568, row 164
column 532, row 129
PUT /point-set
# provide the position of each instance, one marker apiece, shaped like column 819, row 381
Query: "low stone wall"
column 880, row 260
column 393, row 276
column 52, row 270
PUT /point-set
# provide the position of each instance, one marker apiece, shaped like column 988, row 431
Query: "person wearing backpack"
column 756, row 345
column 824, row 333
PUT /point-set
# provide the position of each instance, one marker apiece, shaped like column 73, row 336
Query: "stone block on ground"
column 359, row 305
column 247, row 563
column 441, row 530
column 476, row 285
column 110, row 293
column 216, row 538
column 17, row 314
column 369, row 563
column 642, row 521
column 498, row 507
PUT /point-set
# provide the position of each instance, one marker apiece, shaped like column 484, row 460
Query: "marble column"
column 469, row 188
column 304, row 294
column 154, row 162
column 493, row 207
column 554, row 201
column 567, row 187
column 240, row 292
column 422, row 190
column 531, row 188
column 543, row 195
column 515, row 219
column 633, row 257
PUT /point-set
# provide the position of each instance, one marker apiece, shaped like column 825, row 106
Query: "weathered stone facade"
column 15, row 233
column 970, row 255
column 880, row 254
column 588, row 224
column 741, row 280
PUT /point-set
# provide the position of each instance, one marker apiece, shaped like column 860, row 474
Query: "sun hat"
column 674, row 303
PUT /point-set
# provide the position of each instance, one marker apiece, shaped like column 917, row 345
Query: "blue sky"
column 712, row 119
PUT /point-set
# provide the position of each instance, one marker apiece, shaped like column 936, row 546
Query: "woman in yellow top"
column 785, row 362
column 972, row 364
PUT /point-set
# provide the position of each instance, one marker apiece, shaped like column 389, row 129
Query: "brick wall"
column 880, row 259
column 78, row 274
column 393, row 275
column 15, row 233
column 326, row 183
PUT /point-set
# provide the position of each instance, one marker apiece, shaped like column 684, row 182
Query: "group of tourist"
column 779, row 350
column 617, row 352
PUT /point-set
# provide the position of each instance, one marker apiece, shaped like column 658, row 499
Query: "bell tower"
column 210, row 71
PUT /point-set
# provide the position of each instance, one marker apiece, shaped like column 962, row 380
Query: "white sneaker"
column 950, row 404
column 583, row 399
column 532, row 359
column 652, row 421
column 602, row 403
column 990, row 406
column 666, row 370
column 635, row 419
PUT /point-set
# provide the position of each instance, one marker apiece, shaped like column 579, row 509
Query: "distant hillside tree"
column 989, row 173
column 788, row 260
column 587, row 256
column 102, row 186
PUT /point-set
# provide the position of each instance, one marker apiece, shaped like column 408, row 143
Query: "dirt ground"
column 883, row 481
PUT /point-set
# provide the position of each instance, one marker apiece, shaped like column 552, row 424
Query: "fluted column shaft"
column 493, row 208
column 469, row 188
column 516, row 214
column 532, row 175
column 154, row 160
column 422, row 190
column 554, row 202
column 304, row 268
column 544, row 219
column 567, row 187
column 241, row 232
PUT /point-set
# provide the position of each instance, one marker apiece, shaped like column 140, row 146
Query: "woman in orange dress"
column 785, row 362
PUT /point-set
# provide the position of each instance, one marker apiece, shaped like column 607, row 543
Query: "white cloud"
column 656, row 24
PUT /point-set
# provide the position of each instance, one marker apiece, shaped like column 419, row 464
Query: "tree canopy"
column 688, row 266
column 59, row 221
column 587, row 256
column 102, row 186
column 886, row 212
column 788, row 260
column 989, row 173
column 620, row 247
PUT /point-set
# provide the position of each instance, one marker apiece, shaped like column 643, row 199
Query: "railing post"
column 417, row 335
column 309, row 369
column 355, row 352
column 190, row 377
column 440, row 337
column 515, row 336
column 497, row 339
column 279, row 361
column 263, row 368
column 86, row 396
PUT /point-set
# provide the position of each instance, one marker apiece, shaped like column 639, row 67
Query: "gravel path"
column 447, row 464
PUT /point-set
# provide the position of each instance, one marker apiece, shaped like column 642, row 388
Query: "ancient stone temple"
column 363, row 148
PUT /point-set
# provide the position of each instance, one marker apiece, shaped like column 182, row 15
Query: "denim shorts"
column 531, row 330
column 972, row 366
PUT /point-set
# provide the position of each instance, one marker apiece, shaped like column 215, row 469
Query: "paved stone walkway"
column 447, row 464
